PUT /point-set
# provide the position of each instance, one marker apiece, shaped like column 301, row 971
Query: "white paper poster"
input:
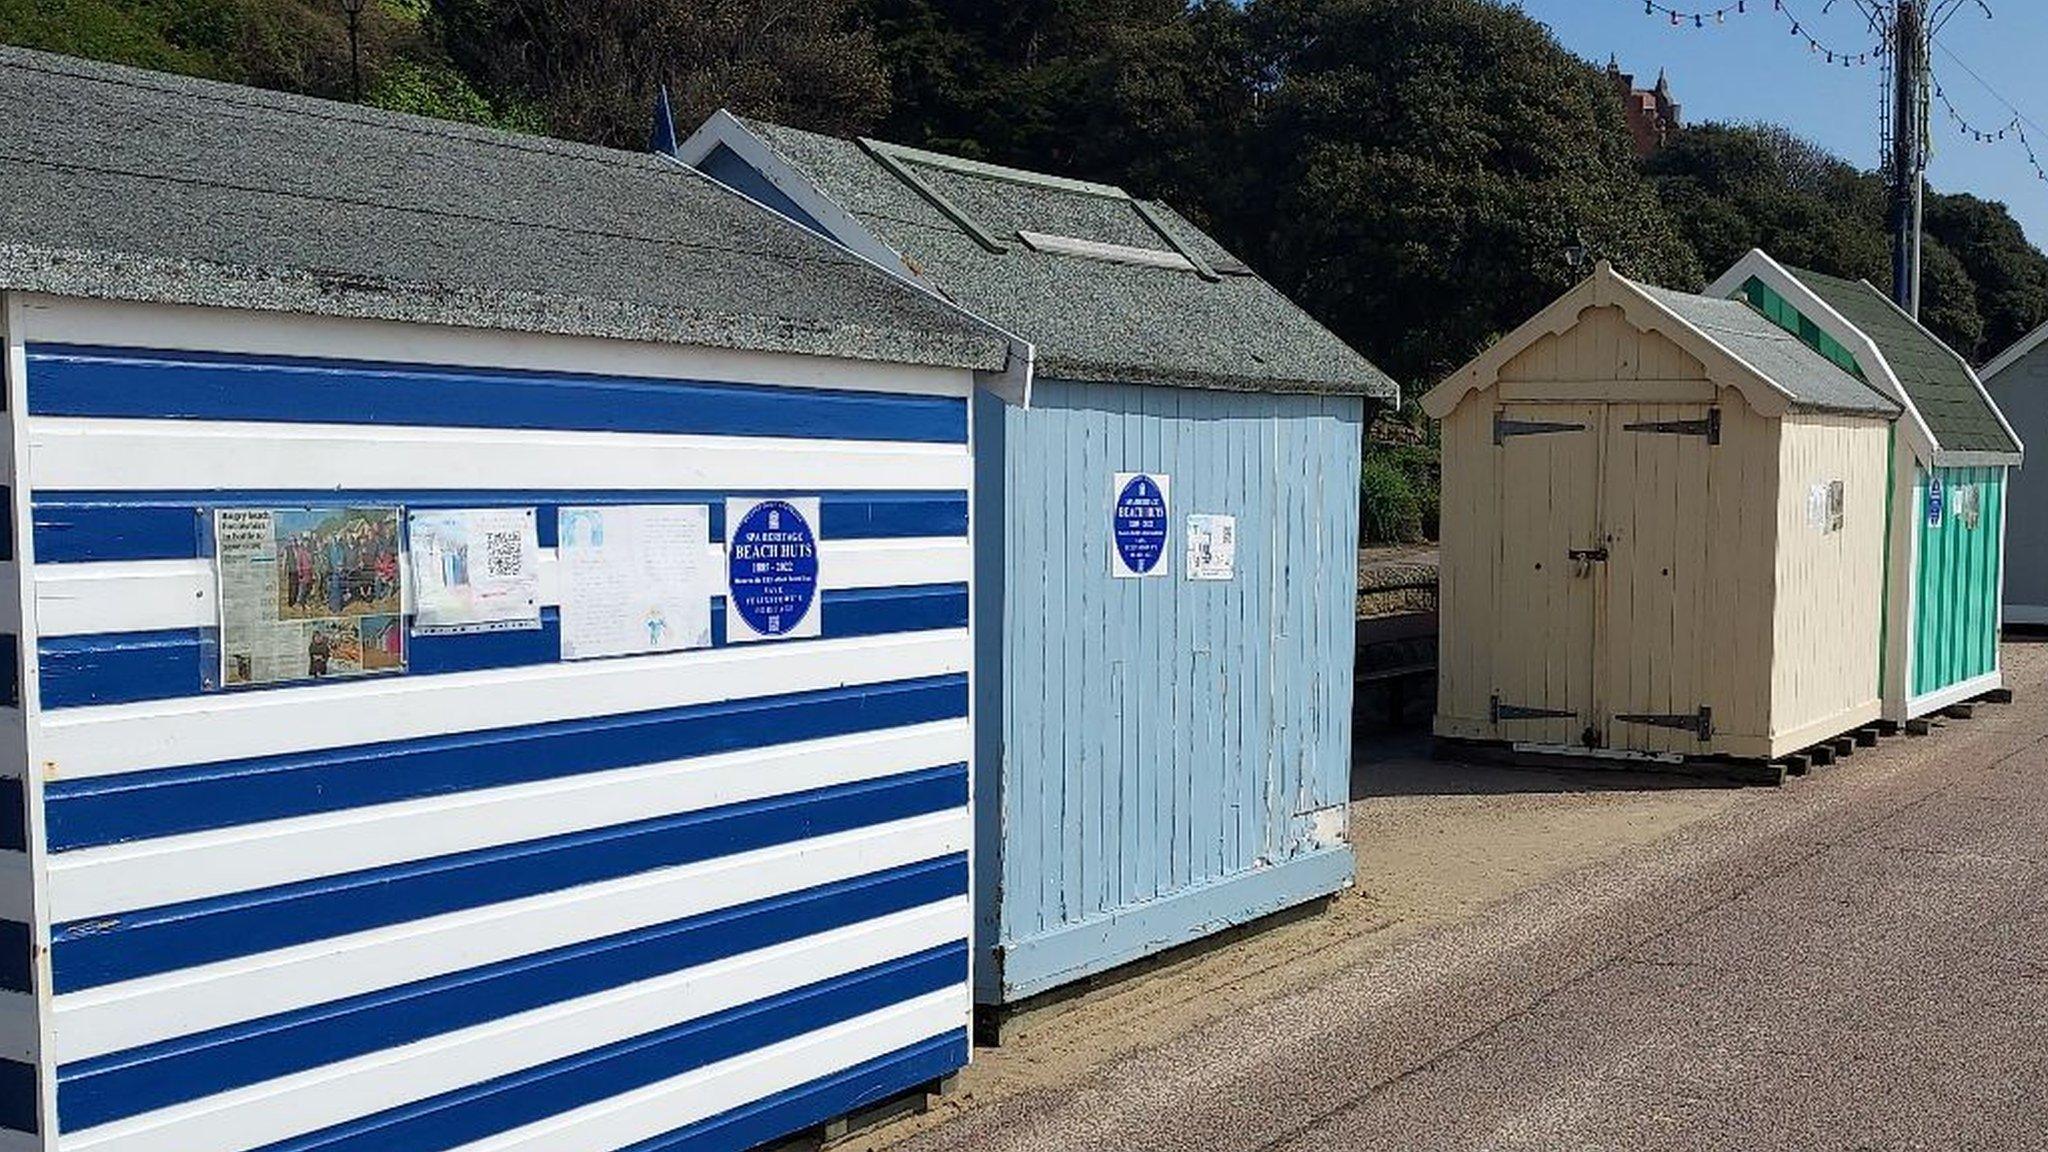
column 635, row 579
column 1212, row 546
column 771, row 569
column 474, row 569
column 307, row 593
column 1140, row 521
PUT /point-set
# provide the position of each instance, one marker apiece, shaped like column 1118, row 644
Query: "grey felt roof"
column 119, row 183
column 1089, row 319
column 1941, row 386
column 1816, row 383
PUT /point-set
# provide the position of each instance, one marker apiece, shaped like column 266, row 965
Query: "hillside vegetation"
column 1411, row 171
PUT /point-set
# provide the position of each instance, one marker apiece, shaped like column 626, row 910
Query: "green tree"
column 594, row 66
column 1422, row 169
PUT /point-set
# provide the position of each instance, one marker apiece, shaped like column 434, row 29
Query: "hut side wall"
column 1175, row 754
column 27, row 1091
column 2021, row 391
column 707, row 897
column 1467, row 563
column 1829, row 608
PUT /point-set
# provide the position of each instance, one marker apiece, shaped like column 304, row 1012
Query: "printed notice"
column 635, row 579
column 474, row 569
column 771, row 569
column 1212, row 546
column 307, row 593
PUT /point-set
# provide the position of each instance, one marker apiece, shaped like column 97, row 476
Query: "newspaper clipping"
column 308, row 593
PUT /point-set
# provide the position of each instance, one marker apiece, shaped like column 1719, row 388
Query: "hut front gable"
column 1603, row 349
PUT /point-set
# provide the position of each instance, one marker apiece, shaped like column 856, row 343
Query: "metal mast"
column 1907, row 162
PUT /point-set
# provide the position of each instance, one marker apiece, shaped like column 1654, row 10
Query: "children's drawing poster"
column 635, row 579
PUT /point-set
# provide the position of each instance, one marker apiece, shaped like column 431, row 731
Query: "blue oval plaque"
column 1140, row 524
column 772, row 567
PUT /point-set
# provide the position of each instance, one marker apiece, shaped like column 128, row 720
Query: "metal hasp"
column 1587, row 555
column 1709, row 427
column 1502, row 428
column 1497, row 712
column 1701, row 722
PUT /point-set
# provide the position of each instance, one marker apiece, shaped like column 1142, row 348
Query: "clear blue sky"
column 1751, row 67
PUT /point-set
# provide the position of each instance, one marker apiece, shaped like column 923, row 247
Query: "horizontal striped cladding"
column 13, row 815
column 113, row 668
column 18, row 1096
column 144, row 942
column 536, row 1094
column 88, row 381
column 813, row 1103
column 85, row 526
column 17, row 956
column 171, row 801
column 118, row 739
column 127, row 1083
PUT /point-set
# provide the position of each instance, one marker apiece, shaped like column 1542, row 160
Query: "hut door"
column 1655, row 508
column 1544, row 596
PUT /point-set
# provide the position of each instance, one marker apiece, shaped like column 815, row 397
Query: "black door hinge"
column 1709, row 427
column 1700, row 723
column 1497, row 712
column 1504, row 428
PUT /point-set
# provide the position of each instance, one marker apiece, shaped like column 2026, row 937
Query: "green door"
column 1955, row 596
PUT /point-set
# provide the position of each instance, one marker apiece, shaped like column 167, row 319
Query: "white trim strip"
column 1102, row 250
column 17, row 888
column 309, row 1101
column 148, row 595
column 1954, row 694
column 148, row 455
column 649, row 1112
column 136, row 1012
column 108, row 739
column 148, row 873
column 262, row 333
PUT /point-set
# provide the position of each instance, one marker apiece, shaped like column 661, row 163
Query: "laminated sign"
column 1935, row 501
column 474, row 569
column 771, row 569
column 635, row 579
column 1138, row 524
column 307, row 593
column 1212, row 546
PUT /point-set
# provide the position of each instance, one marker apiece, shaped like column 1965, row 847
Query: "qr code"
column 504, row 558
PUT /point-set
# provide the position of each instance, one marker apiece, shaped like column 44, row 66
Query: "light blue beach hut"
column 1165, row 545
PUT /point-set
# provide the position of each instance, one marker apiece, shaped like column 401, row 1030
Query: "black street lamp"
column 354, row 8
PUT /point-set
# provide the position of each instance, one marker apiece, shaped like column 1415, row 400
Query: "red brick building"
column 1653, row 116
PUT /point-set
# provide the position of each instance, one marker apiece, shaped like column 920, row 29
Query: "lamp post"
column 354, row 8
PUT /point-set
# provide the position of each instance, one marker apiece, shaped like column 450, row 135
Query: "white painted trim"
column 2014, row 354
column 148, row 595
column 109, row 739
column 27, row 890
column 152, row 455
column 2004, row 502
column 148, row 873
column 294, row 1105
column 1102, row 250
column 143, row 1011
column 17, row 887
column 72, row 320
column 1941, row 698
column 11, row 1141
column 651, row 1111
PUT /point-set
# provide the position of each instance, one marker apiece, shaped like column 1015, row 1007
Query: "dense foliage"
column 1411, row 171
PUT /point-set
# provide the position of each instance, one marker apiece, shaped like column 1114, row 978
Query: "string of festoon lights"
column 1703, row 18
column 2014, row 130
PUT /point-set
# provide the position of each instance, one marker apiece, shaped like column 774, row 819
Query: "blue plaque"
column 1139, row 524
column 1935, row 501
column 772, row 570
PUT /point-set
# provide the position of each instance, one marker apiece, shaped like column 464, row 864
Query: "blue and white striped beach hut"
column 1163, row 694
column 485, row 898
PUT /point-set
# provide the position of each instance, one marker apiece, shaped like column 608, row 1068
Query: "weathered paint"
column 1955, row 598
column 1170, row 750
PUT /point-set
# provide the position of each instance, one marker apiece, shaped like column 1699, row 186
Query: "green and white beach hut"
column 1952, row 455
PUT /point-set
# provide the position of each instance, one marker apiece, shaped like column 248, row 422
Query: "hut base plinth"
column 1556, row 758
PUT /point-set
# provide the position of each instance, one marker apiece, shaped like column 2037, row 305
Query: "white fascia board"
column 1919, row 437
column 1013, row 383
column 2013, row 355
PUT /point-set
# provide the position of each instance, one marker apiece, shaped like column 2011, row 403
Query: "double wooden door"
column 1598, row 591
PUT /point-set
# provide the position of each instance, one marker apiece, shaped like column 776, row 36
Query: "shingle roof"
column 1939, row 384
column 1816, row 383
column 126, row 184
column 1090, row 319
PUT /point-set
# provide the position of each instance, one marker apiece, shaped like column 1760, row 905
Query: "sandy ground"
column 1436, row 843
